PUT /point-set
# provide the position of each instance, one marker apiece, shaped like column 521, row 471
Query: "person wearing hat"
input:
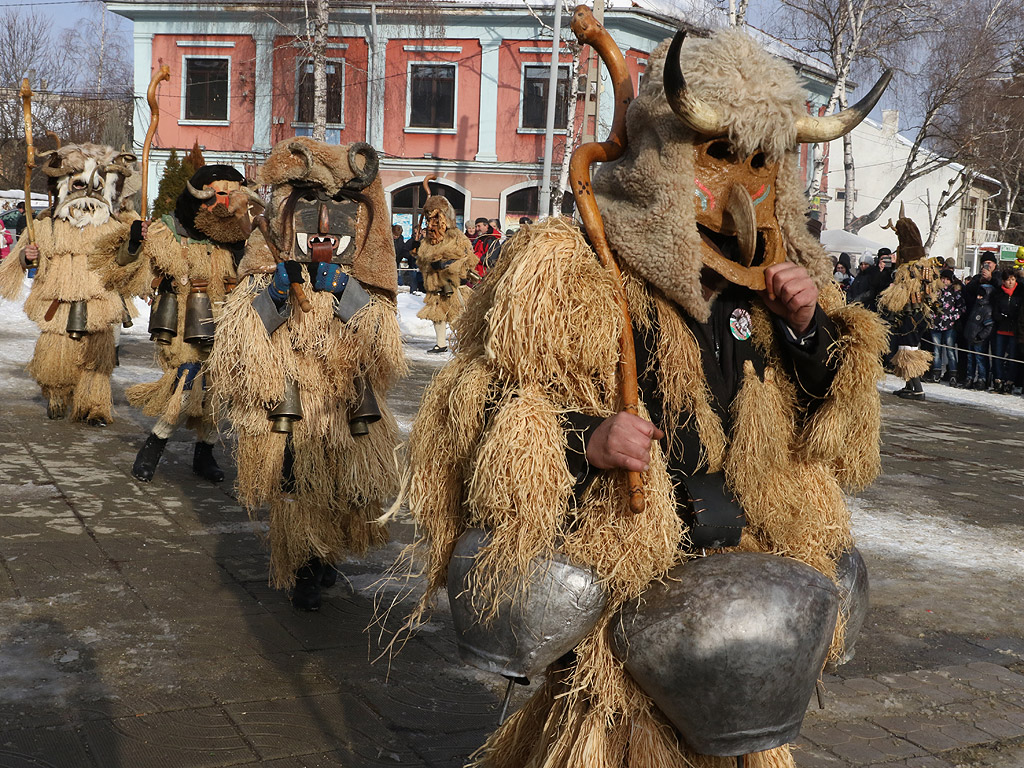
column 987, row 275
column 868, row 283
column 946, row 313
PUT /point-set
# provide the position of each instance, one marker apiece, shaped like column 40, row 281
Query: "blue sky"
column 69, row 13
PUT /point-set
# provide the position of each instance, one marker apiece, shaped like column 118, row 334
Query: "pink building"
column 459, row 92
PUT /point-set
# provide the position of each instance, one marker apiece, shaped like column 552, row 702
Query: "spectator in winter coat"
column 486, row 246
column 946, row 313
column 6, row 240
column 976, row 333
column 871, row 281
column 1006, row 310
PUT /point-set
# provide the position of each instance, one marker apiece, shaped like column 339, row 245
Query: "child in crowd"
column 948, row 309
column 976, row 332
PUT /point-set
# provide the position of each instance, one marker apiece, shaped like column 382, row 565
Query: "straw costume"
column 188, row 264
column 907, row 302
column 324, row 481
column 786, row 422
column 75, row 309
column 446, row 259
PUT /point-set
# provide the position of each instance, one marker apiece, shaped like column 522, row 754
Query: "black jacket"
column 1006, row 310
column 722, row 357
column 979, row 321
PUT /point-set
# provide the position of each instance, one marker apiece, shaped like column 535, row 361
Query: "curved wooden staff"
column 30, row 157
column 164, row 73
column 589, row 31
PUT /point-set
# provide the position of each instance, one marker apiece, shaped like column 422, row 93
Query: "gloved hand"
column 136, row 234
column 330, row 278
column 287, row 272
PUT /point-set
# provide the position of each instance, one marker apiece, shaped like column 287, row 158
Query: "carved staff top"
column 589, row 31
column 164, row 73
column 30, row 157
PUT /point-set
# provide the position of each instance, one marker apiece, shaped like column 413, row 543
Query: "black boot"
column 204, row 465
column 148, row 457
column 56, row 410
column 330, row 575
column 306, row 594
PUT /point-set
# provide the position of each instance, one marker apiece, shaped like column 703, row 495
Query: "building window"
column 206, row 88
column 335, row 90
column 432, row 96
column 535, row 97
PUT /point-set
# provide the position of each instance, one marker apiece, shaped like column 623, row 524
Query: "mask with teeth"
column 87, row 182
column 324, row 228
column 327, row 205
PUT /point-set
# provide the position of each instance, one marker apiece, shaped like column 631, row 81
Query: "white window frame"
column 302, row 62
column 408, row 97
column 184, row 83
column 522, row 94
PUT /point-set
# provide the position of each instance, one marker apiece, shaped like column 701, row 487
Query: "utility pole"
column 544, row 203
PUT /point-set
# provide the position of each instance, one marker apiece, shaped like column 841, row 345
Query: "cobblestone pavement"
column 137, row 629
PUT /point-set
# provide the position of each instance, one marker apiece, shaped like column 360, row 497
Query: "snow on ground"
column 933, row 542
column 943, row 393
column 418, row 334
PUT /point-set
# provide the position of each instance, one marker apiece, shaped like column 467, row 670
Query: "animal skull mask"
column 217, row 204
column 88, row 182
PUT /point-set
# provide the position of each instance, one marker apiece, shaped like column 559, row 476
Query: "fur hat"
column 347, row 170
column 647, row 196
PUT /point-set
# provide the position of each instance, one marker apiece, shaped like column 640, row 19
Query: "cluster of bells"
column 729, row 647
column 289, row 410
column 199, row 328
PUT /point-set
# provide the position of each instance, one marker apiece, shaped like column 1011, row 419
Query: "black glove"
column 135, row 236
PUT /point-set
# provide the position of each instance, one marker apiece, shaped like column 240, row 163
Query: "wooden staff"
column 164, row 73
column 30, row 157
column 589, row 31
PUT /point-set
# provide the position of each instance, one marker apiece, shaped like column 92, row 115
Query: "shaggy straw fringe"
column 556, row 284
column 911, row 363
column 508, row 474
column 340, row 482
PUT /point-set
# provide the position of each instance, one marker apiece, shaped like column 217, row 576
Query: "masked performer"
column 907, row 302
column 75, row 309
column 447, row 260
column 189, row 261
column 757, row 391
column 306, row 343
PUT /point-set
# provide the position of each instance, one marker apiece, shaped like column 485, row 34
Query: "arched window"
column 407, row 202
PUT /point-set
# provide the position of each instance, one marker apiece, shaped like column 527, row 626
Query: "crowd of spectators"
column 975, row 326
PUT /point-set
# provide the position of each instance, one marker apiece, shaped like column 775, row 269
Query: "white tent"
column 839, row 240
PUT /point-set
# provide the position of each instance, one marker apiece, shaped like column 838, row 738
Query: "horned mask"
column 217, row 204
column 88, row 182
column 709, row 189
column 438, row 214
column 327, row 204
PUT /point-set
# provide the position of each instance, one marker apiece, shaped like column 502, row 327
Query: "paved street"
column 137, row 629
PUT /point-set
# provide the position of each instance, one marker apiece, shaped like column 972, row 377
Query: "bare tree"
column 987, row 128
column 957, row 63
column 316, row 35
column 847, row 33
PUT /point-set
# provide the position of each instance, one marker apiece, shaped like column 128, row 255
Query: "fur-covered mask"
column 88, row 182
column 327, row 204
column 216, row 203
column 709, row 189
column 440, row 217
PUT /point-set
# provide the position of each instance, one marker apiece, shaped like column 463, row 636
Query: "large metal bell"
column 852, row 575
column 78, row 319
column 287, row 411
column 730, row 647
column 546, row 618
column 199, row 325
column 366, row 410
column 163, row 318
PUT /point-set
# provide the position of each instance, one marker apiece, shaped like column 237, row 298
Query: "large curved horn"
column 698, row 116
column 361, row 153
column 253, row 197
column 200, row 194
column 811, row 129
column 298, row 148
